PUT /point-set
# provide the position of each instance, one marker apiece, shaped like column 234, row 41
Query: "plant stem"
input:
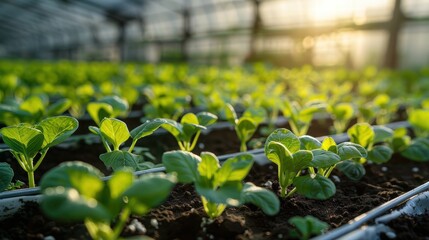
column 194, row 141
column 40, row 159
column 291, row 192
column 121, row 223
column 133, row 144
column 31, row 182
column 243, row 146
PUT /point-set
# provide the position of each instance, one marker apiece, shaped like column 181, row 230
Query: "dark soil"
column 182, row 216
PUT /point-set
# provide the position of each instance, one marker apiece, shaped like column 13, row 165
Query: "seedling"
column 299, row 117
column 246, row 125
column 218, row 186
column 189, row 129
column 292, row 155
column 342, row 114
column 107, row 107
column 74, row 191
column 32, row 110
column 113, row 133
column 306, row 227
column 6, row 175
column 26, row 141
column 368, row 136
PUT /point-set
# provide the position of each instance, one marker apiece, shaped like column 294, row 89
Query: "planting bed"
column 181, row 216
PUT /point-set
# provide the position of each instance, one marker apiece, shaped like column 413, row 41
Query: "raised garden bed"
column 182, row 216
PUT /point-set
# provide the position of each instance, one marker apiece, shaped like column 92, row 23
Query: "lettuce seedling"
column 418, row 120
column 306, row 227
column 368, row 136
column 6, row 175
column 246, row 125
column 107, row 107
column 292, row 155
column 113, row 133
column 342, row 114
column 27, row 141
column 189, row 129
column 32, row 110
column 74, row 191
column 299, row 117
column 218, row 186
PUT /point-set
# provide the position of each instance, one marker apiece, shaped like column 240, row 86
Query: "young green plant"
column 189, row 129
column 342, row 114
column 246, row 125
column 26, row 142
column 292, row 155
column 107, row 107
column 114, row 132
column 74, row 191
column 220, row 186
column 299, row 117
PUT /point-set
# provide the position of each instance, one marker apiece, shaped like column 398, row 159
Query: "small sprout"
column 218, row 186
column 189, row 129
column 246, row 125
column 114, row 132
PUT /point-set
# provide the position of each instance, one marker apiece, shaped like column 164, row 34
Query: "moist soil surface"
column 182, row 216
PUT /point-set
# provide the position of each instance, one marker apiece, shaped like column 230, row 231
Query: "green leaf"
column 309, row 143
column 79, row 175
column 184, row 164
column 205, row 118
column 308, row 226
column 353, row 170
column 245, row 129
column 348, row 150
column 147, row 128
column 228, row 193
column 120, row 181
column 362, row 134
column 149, row 191
column 301, row 160
column 324, row 159
column 278, row 153
column 329, row 144
column 23, row 139
column 34, row 105
column 230, row 114
column 190, row 118
column 57, row 129
column 172, row 127
column 342, row 111
column 315, row 187
column 234, row 169
column 418, row 119
column 286, row 138
column 382, row 134
column 68, row 204
column 256, row 114
column 115, row 131
column 6, row 175
column 98, row 111
column 59, row 107
column 380, row 154
column 418, row 150
column 261, row 197
column 119, row 105
column 119, row 159
column 208, row 166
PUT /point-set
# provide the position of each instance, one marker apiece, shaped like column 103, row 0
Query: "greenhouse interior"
column 214, row 119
